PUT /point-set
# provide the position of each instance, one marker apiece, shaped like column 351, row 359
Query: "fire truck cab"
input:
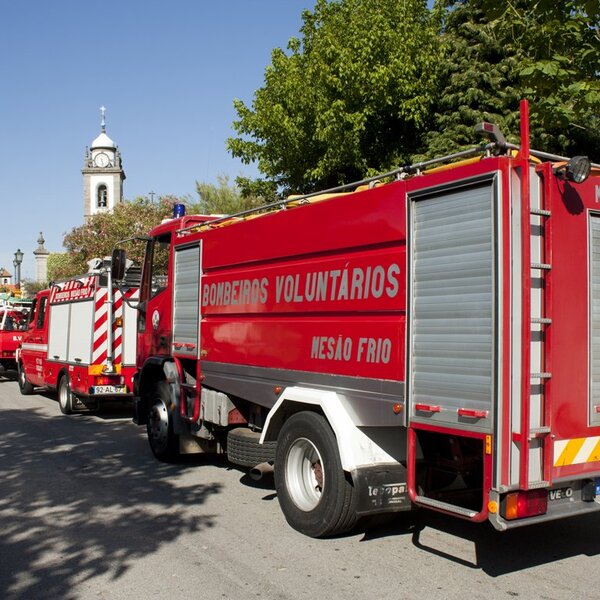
column 426, row 338
column 13, row 319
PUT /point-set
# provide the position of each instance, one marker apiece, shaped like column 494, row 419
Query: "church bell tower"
column 103, row 174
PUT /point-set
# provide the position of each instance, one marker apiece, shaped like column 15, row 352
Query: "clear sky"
column 167, row 72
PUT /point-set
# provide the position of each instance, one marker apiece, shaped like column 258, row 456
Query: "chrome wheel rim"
column 304, row 474
column 63, row 394
column 158, row 426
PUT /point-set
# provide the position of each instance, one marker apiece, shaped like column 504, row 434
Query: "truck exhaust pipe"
column 259, row 471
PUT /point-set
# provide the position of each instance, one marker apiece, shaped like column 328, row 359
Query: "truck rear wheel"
column 315, row 495
column 65, row 397
column 24, row 385
column 159, row 424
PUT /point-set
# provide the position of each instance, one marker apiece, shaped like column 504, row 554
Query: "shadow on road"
column 495, row 553
column 83, row 497
column 8, row 375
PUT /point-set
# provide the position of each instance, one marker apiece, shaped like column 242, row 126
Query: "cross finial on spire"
column 103, row 121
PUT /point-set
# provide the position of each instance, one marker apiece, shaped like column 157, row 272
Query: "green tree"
column 558, row 47
column 29, row 287
column 97, row 237
column 58, row 265
column 478, row 82
column 224, row 198
column 499, row 52
column 352, row 96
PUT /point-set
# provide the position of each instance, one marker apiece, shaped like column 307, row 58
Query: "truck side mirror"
column 118, row 260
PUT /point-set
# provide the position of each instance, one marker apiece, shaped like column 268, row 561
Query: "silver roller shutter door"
column 186, row 308
column 594, row 318
column 452, row 315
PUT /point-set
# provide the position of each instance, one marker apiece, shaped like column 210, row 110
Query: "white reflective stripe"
column 101, row 312
column 577, row 451
column 35, row 347
column 559, row 447
column 584, row 453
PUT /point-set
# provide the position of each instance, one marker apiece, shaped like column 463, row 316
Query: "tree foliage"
column 373, row 84
column 478, row 83
column 224, row 198
column 29, row 287
column 498, row 53
column 350, row 97
column 97, row 237
column 59, row 266
column 558, row 47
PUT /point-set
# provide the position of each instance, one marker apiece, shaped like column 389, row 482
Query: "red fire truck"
column 12, row 322
column 432, row 341
column 70, row 345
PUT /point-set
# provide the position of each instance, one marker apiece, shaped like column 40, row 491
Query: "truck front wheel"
column 24, row 385
column 159, row 424
column 65, row 397
column 315, row 495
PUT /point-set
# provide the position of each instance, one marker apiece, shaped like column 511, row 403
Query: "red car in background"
column 12, row 323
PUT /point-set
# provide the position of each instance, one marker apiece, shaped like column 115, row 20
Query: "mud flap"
column 381, row 489
column 140, row 411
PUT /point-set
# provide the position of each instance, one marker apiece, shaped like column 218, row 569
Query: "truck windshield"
column 160, row 265
column 12, row 320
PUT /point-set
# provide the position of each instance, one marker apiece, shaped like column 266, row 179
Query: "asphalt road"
column 87, row 513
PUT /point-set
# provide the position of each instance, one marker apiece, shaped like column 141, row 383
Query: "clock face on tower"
column 101, row 160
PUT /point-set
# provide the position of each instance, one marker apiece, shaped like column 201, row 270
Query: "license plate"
column 109, row 389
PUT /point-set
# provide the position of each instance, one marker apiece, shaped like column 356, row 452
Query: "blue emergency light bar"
column 178, row 211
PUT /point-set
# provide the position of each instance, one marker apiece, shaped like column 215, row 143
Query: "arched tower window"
column 102, row 196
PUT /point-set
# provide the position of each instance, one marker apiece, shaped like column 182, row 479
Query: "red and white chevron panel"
column 100, row 342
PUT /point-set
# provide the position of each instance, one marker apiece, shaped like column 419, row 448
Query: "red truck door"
column 186, row 324
column 35, row 341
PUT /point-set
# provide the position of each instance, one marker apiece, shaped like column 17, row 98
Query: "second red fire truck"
column 80, row 341
column 13, row 318
column 433, row 341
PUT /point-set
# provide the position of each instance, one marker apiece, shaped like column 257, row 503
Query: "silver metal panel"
column 186, row 295
column 516, row 324
column 58, row 335
column 594, row 319
column 130, row 331
column 369, row 401
column 536, row 396
column 452, row 306
column 80, row 332
column 215, row 407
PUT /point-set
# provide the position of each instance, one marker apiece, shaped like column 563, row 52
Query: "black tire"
column 243, row 448
column 315, row 495
column 164, row 442
column 65, row 397
column 24, row 385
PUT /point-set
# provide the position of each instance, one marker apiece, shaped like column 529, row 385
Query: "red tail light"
column 110, row 380
column 518, row 505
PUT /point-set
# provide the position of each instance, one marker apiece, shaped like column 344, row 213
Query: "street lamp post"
column 17, row 264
